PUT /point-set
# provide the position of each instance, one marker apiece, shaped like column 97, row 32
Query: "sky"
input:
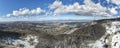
column 15, row 10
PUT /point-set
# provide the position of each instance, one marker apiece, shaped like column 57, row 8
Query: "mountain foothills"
column 103, row 33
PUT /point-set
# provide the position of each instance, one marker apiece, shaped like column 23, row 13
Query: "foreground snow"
column 111, row 38
column 27, row 42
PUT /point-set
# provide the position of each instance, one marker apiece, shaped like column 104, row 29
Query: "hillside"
column 104, row 32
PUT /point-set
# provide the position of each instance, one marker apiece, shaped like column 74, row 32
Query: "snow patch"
column 111, row 37
column 116, row 41
column 113, row 27
column 27, row 42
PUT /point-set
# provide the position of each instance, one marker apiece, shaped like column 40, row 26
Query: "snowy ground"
column 70, row 31
column 115, row 41
column 27, row 42
column 111, row 39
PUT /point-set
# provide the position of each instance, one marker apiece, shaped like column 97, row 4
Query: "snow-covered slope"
column 24, row 42
column 111, row 39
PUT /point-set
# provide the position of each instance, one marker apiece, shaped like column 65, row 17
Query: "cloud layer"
column 25, row 11
column 117, row 2
column 88, row 9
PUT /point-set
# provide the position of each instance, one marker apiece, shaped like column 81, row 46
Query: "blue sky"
column 7, row 6
column 44, row 7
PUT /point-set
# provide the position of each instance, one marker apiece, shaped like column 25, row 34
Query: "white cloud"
column 56, row 4
column 117, row 2
column 25, row 11
column 8, row 15
column 88, row 9
column 113, row 11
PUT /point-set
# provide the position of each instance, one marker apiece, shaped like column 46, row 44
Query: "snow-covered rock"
column 27, row 42
column 111, row 38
